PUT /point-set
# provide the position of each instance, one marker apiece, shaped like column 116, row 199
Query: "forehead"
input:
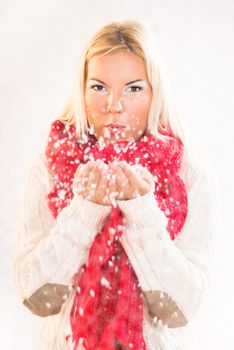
column 117, row 64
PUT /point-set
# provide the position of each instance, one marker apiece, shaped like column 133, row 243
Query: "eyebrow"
column 131, row 82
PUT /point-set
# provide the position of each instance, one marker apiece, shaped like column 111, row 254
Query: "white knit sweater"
column 50, row 251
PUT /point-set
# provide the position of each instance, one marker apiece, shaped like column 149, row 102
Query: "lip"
column 115, row 126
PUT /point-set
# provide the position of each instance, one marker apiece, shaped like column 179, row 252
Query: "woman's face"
column 117, row 96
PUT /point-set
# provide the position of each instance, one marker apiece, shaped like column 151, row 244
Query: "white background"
column 39, row 45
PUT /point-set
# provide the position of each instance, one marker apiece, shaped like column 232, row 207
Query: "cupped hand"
column 131, row 180
column 104, row 184
column 94, row 181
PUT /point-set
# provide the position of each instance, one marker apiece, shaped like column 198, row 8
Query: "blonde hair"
column 126, row 35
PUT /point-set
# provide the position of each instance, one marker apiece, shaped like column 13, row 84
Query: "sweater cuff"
column 82, row 219
column 142, row 212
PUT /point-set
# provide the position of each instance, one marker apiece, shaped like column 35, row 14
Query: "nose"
column 114, row 104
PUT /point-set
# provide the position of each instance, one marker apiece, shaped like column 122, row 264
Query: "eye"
column 97, row 87
column 135, row 88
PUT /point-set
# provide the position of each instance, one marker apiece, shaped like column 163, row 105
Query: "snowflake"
column 105, row 282
column 81, row 311
column 92, row 293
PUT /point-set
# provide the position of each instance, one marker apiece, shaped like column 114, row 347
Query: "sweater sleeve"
column 49, row 250
column 180, row 268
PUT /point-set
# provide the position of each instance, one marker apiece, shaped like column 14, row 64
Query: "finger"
column 87, row 168
column 88, row 174
column 137, row 184
column 92, row 183
column 102, row 188
column 82, row 169
column 144, row 174
column 112, row 187
column 122, row 182
column 79, row 184
column 141, row 172
column 77, row 172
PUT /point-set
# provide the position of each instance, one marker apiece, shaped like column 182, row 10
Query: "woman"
column 116, row 232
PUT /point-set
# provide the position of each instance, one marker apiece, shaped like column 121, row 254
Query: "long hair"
column 128, row 35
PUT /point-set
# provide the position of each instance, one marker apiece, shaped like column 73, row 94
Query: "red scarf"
column 107, row 308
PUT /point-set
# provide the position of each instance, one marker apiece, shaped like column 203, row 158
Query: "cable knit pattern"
column 75, row 215
column 182, row 267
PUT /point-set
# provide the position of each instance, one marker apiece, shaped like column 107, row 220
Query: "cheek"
column 140, row 103
column 94, row 102
column 94, row 112
column 139, row 110
column 144, row 109
column 92, row 108
column 89, row 102
column 146, row 102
